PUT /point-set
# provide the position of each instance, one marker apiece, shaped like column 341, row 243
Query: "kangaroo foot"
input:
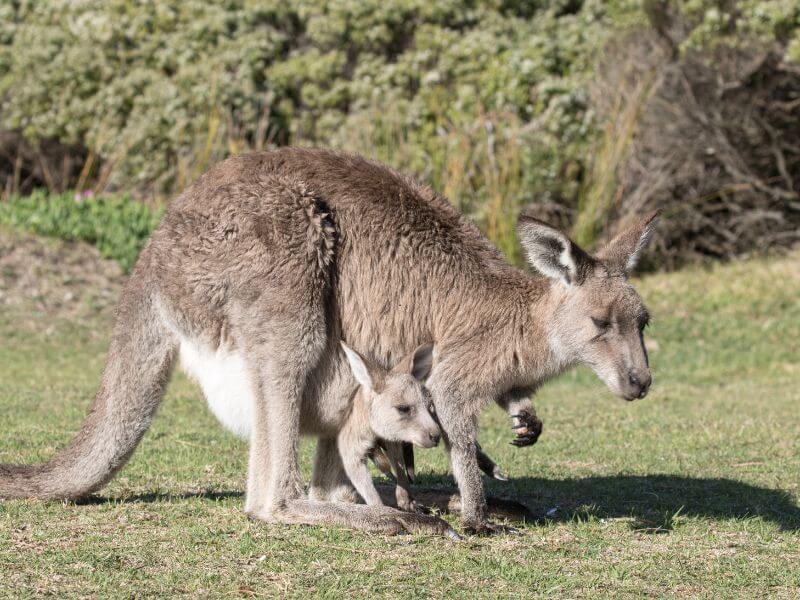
column 415, row 522
column 355, row 516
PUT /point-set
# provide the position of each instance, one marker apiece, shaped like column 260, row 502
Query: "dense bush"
column 702, row 121
column 493, row 102
column 157, row 90
column 117, row 226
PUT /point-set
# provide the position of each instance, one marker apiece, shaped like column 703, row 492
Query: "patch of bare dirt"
column 55, row 279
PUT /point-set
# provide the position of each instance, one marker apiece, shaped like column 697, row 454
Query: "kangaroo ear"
column 422, row 361
column 358, row 366
column 419, row 363
column 551, row 252
column 624, row 251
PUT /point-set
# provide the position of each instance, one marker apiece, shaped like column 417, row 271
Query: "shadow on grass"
column 210, row 495
column 653, row 501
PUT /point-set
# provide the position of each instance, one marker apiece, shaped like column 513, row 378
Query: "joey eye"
column 403, row 410
column 601, row 324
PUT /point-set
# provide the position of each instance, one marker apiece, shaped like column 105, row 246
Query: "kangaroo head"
column 597, row 317
column 399, row 405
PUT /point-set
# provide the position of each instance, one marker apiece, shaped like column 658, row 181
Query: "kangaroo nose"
column 435, row 439
column 640, row 382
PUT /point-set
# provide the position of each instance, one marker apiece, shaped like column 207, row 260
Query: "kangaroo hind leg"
column 273, row 471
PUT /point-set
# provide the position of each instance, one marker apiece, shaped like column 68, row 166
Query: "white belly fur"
column 225, row 382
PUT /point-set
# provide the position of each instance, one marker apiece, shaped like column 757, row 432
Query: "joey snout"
column 426, row 431
column 434, row 439
column 429, row 438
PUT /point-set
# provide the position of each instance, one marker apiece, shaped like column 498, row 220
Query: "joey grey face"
column 598, row 317
column 400, row 407
column 402, row 412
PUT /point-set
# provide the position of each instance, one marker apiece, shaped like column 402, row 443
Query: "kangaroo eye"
column 403, row 410
column 601, row 324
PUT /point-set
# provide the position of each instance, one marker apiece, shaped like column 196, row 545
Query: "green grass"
column 118, row 226
column 691, row 492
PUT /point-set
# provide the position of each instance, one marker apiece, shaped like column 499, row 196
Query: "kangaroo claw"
column 523, row 440
column 528, row 428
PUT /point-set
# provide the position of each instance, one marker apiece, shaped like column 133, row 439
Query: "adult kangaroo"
column 268, row 260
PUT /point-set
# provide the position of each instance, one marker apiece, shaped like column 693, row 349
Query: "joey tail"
column 134, row 380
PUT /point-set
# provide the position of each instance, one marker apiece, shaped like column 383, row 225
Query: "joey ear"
column 551, row 252
column 418, row 363
column 358, row 365
column 625, row 249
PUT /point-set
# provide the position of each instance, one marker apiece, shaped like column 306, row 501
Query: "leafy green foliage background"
column 488, row 101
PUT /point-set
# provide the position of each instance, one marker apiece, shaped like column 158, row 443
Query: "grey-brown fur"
column 279, row 255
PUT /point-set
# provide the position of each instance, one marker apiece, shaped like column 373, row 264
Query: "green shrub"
column 117, row 226
column 155, row 91
column 489, row 101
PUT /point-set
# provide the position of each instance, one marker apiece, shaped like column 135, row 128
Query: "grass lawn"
column 690, row 492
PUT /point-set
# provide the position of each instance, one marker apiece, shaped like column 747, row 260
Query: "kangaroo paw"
column 528, row 428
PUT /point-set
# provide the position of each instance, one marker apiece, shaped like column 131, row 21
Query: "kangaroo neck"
column 502, row 333
column 539, row 361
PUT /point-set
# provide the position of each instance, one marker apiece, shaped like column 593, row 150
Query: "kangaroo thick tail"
column 134, row 380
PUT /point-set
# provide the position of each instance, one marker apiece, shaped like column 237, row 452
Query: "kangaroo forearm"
column 516, row 401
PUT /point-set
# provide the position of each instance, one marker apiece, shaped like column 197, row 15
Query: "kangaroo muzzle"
column 638, row 384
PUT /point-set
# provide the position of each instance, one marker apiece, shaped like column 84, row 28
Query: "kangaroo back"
column 134, row 380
